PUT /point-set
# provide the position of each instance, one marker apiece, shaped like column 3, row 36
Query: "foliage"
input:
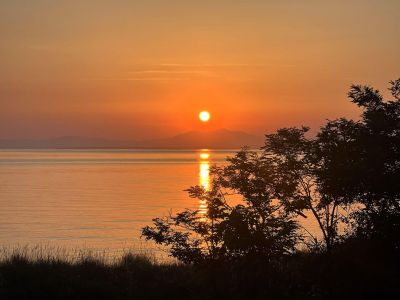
column 352, row 271
column 371, row 170
column 257, row 226
column 299, row 161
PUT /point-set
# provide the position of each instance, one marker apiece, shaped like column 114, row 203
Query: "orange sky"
column 137, row 69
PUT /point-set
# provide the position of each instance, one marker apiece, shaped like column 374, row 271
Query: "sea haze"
column 217, row 139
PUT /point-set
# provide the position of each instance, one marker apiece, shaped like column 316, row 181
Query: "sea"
column 96, row 199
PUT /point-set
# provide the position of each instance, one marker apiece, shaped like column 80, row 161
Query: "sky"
column 128, row 69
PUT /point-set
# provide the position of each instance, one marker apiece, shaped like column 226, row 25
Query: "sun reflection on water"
column 204, row 178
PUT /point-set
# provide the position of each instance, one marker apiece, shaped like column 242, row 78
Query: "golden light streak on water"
column 204, row 178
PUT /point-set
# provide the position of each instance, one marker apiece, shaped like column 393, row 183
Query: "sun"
column 204, row 116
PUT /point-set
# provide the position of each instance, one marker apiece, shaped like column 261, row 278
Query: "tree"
column 349, row 164
column 298, row 161
column 257, row 226
column 366, row 165
column 275, row 187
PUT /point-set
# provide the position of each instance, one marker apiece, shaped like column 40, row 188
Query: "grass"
column 353, row 271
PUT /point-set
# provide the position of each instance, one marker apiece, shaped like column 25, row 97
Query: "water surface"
column 94, row 198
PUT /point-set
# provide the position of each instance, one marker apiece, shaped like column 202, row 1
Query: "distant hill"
column 70, row 142
column 218, row 139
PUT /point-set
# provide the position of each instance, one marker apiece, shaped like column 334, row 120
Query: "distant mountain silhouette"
column 70, row 142
column 218, row 139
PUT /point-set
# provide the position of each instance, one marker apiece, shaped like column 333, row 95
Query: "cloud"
column 136, row 79
column 176, row 72
column 194, row 72
column 176, row 65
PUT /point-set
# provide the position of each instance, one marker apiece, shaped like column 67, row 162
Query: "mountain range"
column 218, row 139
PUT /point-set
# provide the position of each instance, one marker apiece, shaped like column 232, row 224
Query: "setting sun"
column 204, row 116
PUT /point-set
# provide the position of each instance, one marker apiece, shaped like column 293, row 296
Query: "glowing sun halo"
column 204, row 116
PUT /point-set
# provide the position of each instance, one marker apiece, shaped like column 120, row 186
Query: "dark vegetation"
column 352, row 271
column 250, row 244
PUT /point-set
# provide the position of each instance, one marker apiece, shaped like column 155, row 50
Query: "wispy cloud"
column 209, row 65
column 176, row 72
column 188, row 72
column 137, row 79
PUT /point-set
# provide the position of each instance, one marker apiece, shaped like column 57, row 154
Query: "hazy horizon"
column 139, row 139
column 217, row 139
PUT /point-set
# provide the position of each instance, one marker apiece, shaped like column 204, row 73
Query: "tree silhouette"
column 366, row 165
column 257, row 226
column 298, row 161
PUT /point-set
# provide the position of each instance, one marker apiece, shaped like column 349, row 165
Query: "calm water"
column 94, row 198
